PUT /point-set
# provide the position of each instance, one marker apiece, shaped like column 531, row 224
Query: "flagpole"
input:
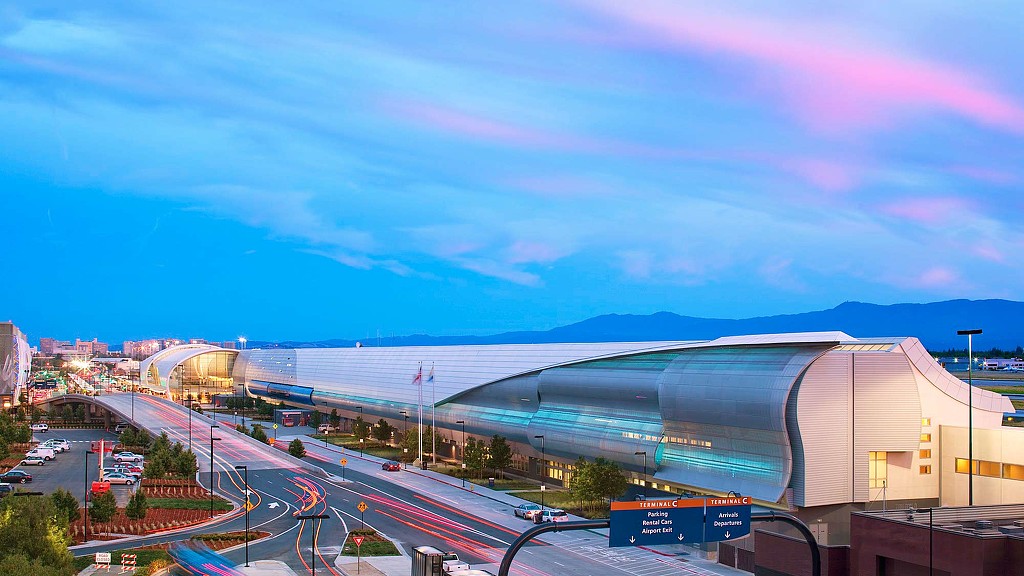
column 419, row 379
column 433, row 404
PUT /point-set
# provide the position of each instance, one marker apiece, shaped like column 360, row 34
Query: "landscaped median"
column 149, row 559
column 373, row 544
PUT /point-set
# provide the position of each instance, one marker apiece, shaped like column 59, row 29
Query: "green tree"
column 296, row 448
column 67, row 413
column 143, row 439
column 609, row 481
column 5, row 450
column 259, row 434
column 35, row 414
column 22, row 433
column 65, row 504
column 103, row 508
column 128, row 437
column 382, row 431
column 20, row 415
column 335, row 419
column 316, row 419
column 137, row 506
column 155, row 469
column 80, row 413
column 32, row 533
column 185, row 464
column 582, row 483
column 360, row 429
column 476, row 456
column 499, row 455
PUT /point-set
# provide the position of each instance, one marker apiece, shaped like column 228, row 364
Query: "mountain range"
column 935, row 324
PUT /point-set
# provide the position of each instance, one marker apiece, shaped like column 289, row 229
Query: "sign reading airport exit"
column 684, row 521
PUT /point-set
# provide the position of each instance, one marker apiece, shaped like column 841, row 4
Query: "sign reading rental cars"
column 651, row 522
column 683, row 521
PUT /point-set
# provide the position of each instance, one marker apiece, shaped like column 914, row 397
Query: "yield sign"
column 358, row 540
column 362, row 506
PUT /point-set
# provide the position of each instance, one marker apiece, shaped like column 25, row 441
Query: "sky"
column 313, row 170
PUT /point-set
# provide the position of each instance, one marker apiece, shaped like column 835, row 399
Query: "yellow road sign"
column 344, row 461
column 362, row 506
column 275, row 426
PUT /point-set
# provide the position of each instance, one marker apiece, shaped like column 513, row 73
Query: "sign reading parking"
column 727, row 518
column 651, row 522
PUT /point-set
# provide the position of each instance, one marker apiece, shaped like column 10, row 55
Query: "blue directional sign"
column 652, row 522
column 727, row 518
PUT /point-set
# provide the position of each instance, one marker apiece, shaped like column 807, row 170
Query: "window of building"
column 926, row 437
column 990, row 469
column 876, row 469
column 926, row 469
column 924, row 453
column 926, row 421
column 1013, row 471
column 961, row 466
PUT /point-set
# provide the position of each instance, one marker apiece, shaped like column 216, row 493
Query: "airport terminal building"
column 819, row 423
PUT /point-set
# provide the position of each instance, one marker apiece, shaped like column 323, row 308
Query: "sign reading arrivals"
column 683, row 521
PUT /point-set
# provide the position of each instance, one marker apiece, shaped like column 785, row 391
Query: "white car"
column 57, row 444
column 40, row 427
column 33, row 461
column 127, row 457
column 551, row 515
column 42, row 452
column 117, row 478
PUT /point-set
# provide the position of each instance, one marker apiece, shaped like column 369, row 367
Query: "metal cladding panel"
column 603, row 408
column 822, row 425
column 724, row 411
column 886, row 411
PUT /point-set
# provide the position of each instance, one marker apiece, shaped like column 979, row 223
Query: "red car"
column 391, row 466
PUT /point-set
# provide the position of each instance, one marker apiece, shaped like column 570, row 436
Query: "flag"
column 418, row 379
column 430, row 377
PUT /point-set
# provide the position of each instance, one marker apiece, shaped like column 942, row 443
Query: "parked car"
column 526, row 511
column 120, row 427
column 127, row 457
column 57, row 444
column 391, row 466
column 6, row 489
column 40, row 427
column 550, row 515
column 118, row 478
column 12, row 476
column 42, row 452
column 326, row 429
column 33, row 461
column 121, row 470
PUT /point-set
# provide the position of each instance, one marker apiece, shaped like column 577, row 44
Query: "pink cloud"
column 927, row 210
column 937, row 277
column 990, row 253
column 831, row 84
column 526, row 252
column 983, row 174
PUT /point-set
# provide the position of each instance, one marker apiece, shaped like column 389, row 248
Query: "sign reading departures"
column 683, row 521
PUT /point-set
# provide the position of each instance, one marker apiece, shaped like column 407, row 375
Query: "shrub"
column 258, row 433
column 296, row 448
column 143, row 438
column 104, row 506
column 66, row 504
column 137, row 506
column 128, row 437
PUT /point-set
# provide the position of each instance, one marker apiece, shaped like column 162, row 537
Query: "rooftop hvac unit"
column 984, row 525
column 1012, row 529
column 1019, row 523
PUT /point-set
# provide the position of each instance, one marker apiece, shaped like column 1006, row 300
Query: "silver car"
column 118, row 478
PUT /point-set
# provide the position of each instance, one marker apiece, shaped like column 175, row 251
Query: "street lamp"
column 86, row 506
column 970, row 413
column 245, row 471
column 463, row 422
column 644, row 452
column 242, row 340
column 543, row 466
column 405, row 439
column 212, row 466
column 312, row 539
column 189, row 407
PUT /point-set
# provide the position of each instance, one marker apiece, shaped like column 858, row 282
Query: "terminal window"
column 926, row 469
column 926, row 421
column 876, row 469
column 926, row 437
column 927, row 453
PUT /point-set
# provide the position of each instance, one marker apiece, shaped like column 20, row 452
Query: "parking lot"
column 68, row 469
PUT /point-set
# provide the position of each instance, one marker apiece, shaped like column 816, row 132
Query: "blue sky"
column 317, row 170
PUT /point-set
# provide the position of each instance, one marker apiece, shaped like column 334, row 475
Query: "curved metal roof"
column 165, row 361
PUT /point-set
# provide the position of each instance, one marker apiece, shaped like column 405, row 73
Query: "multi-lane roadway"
column 413, row 508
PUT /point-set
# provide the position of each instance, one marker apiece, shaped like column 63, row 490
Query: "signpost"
column 652, row 522
column 362, row 508
column 344, row 462
column 684, row 521
column 359, row 543
column 103, row 559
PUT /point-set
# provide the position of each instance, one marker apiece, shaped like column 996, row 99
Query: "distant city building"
column 50, row 346
column 197, row 341
column 91, row 347
column 1009, row 364
column 15, row 364
column 229, row 344
column 142, row 348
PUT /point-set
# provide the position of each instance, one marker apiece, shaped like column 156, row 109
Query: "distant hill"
column 935, row 324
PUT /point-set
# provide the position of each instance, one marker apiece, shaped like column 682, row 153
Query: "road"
column 413, row 508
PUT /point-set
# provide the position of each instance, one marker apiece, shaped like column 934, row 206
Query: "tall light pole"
column 463, row 457
column 644, row 453
column 245, row 471
column 405, row 440
column 212, row 466
column 242, row 340
column 86, row 505
column 312, row 539
column 189, row 408
column 970, row 413
column 543, row 470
